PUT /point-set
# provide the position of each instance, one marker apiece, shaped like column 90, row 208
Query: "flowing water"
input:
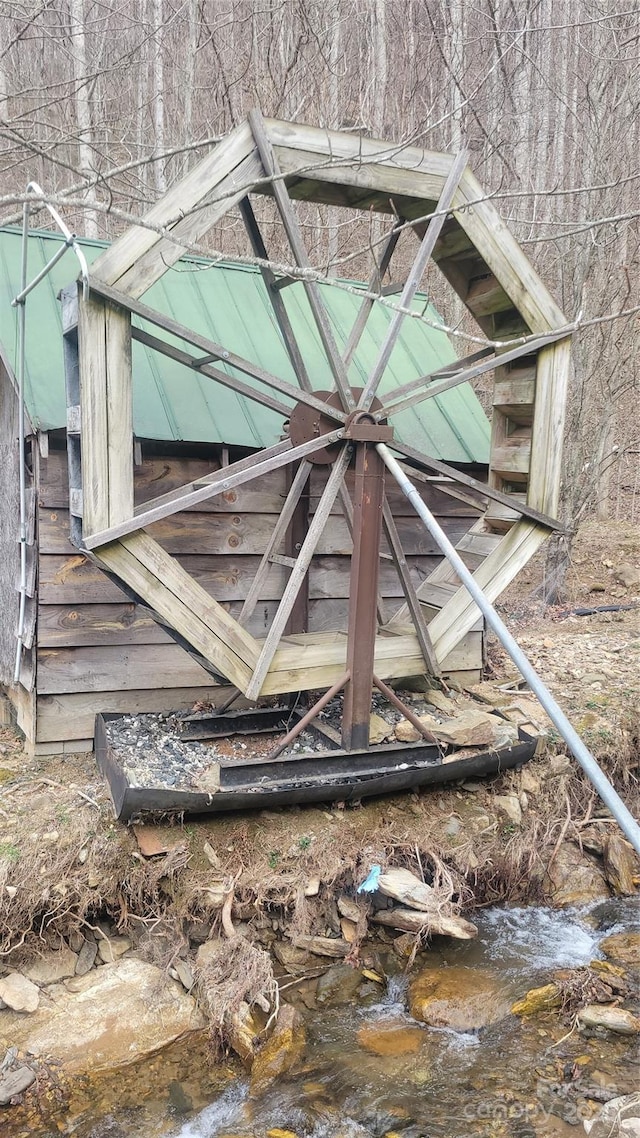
column 521, row 1079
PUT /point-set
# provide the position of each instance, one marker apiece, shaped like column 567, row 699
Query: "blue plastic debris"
column 370, row 883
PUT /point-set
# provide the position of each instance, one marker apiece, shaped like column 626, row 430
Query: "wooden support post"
column 413, row 602
column 294, row 236
column 363, row 623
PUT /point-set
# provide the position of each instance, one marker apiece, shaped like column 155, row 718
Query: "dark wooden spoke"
column 237, row 385
column 375, row 284
column 412, row 283
column 214, row 351
column 464, row 374
column 473, row 483
column 292, row 229
column 408, row 588
column 277, row 303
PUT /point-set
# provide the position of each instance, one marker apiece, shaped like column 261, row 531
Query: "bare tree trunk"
column 158, row 94
column 83, row 107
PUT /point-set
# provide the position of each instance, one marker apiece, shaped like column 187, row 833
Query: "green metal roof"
column 229, row 304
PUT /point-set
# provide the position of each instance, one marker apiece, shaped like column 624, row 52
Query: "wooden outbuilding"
column 87, row 646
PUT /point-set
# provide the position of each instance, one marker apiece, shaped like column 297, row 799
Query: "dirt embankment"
column 71, row 876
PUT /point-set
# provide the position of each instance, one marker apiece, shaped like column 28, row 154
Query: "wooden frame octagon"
column 437, row 196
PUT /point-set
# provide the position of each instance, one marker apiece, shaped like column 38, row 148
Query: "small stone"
column 471, row 729
column 11, row 891
column 453, row 827
column 185, row 975
column 538, row 1000
column 349, row 908
column 620, row 866
column 624, row 947
column 86, row 957
column 53, row 967
column 83, row 855
column 295, row 960
column 529, row 782
column 509, row 804
column 558, row 764
column 338, row 985
column 628, row 575
column 51, row 836
column 113, row 947
column 440, row 701
column 19, row 993
column 390, row 1037
column 613, row 1018
column 379, row 729
column 312, row 888
column 405, row 732
column 14, row 1083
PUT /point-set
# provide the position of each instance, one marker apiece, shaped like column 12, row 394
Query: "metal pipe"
column 609, row 796
column 308, row 717
column 22, row 538
column 19, row 302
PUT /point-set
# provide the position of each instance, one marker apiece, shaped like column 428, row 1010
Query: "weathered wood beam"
column 277, row 303
column 214, row 350
column 294, row 236
column 225, row 479
column 420, row 392
column 93, row 403
column 474, row 484
column 411, row 597
column 412, row 282
column 368, row 302
column 179, row 600
column 279, row 532
column 298, row 573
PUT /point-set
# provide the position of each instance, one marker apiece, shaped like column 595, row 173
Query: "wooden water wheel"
column 438, row 198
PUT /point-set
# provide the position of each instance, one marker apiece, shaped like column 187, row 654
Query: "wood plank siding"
column 98, row 651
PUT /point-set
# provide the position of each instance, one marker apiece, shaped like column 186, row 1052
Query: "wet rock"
column 181, row 1102
column 338, row 985
column 624, row 947
column 242, row 1031
column 574, row 878
column 18, row 993
column 390, row 1037
column 295, row 960
column 538, row 1000
column 14, row 1082
column 281, row 1052
column 110, row 948
column 379, row 729
column 509, row 804
column 53, row 967
column 620, row 866
column 458, row 997
column 619, row 1118
column 613, row 1018
column 122, row 1013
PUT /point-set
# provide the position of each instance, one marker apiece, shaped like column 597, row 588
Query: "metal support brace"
column 609, row 796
